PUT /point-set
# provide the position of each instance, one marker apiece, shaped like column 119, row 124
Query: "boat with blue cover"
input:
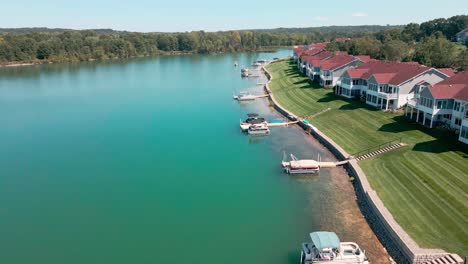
column 326, row 247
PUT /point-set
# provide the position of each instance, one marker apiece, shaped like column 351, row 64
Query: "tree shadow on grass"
column 329, row 97
column 445, row 141
column 305, row 81
column 401, row 124
column 350, row 106
column 441, row 145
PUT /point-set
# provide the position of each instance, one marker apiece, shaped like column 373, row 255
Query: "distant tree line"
column 430, row 43
column 79, row 45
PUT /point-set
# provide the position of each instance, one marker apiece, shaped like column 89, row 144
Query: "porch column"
column 411, row 113
column 381, row 103
column 386, row 106
column 424, row 118
column 417, row 117
column 432, row 119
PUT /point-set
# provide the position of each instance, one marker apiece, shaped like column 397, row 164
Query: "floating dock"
column 282, row 124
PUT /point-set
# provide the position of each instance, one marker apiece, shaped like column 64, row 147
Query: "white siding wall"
column 406, row 91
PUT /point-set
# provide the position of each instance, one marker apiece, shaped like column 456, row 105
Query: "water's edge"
column 399, row 244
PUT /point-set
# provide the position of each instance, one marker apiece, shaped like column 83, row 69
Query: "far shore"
column 170, row 53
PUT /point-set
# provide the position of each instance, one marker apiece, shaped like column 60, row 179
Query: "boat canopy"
column 303, row 164
column 323, row 240
column 252, row 115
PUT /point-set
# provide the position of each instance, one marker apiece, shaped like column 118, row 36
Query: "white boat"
column 252, row 120
column 245, row 72
column 297, row 166
column 244, row 96
column 258, row 130
column 326, row 247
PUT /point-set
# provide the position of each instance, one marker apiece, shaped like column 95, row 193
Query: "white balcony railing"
column 388, row 96
column 412, row 102
column 346, row 86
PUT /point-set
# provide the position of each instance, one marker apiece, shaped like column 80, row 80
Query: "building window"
column 457, row 121
column 426, row 102
column 373, row 87
column 441, row 104
column 464, row 132
column 456, row 106
column 447, row 116
column 355, row 82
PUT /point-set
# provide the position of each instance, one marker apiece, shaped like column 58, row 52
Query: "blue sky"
column 188, row 15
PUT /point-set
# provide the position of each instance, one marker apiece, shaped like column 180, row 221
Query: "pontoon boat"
column 326, row 247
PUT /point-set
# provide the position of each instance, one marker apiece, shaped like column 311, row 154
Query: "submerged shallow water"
column 142, row 161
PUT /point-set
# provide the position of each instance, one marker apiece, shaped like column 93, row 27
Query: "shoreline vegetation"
column 429, row 43
column 171, row 53
column 424, row 182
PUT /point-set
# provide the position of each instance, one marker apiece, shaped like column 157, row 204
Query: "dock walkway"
column 282, row 124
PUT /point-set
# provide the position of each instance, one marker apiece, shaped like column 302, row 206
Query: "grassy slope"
column 424, row 185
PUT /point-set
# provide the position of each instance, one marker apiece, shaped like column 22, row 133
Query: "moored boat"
column 252, row 120
column 244, row 96
column 258, row 130
column 325, row 247
column 297, row 166
column 245, row 72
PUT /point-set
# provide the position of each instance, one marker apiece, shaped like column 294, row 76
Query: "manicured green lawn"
column 424, row 184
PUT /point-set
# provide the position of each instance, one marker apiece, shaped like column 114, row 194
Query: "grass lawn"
column 424, row 184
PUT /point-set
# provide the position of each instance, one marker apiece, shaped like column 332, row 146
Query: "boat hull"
column 259, row 133
column 301, row 171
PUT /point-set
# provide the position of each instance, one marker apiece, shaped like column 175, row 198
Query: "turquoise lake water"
column 142, row 161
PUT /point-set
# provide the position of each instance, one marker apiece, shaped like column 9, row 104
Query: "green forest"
column 429, row 43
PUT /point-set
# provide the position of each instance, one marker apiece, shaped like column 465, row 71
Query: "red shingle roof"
column 447, row 71
column 455, row 87
column 299, row 50
column 364, row 58
column 336, row 62
column 317, row 57
column 397, row 72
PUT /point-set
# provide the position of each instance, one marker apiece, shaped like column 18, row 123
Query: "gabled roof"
column 455, row 87
column 336, row 62
column 313, row 60
column 299, row 50
column 389, row 72
column 364, row 58
column 447, row 71
column 384, row 77
column 356, row 73
column 311, row 49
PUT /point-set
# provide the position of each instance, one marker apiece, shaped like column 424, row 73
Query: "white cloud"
column 320, row 18
column 359, row 14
